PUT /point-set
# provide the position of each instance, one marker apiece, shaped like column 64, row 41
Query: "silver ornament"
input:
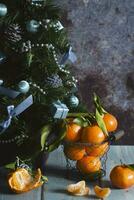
column 32, row 26
column 73, row 101
column 3, row 10
column 23, row 86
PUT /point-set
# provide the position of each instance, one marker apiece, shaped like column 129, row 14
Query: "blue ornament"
column 23, row 86
column 32, row 26
column 73, row 101
column 1, row 81
column 3, row 10
column 2, row 57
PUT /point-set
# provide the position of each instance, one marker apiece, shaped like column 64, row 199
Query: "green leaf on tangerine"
column 98, row 105
column 10, row 165
column 100, row 122
column 44, row 134
column 44, row 178
column 131, row 166
column 81, row 121
column 59, row 139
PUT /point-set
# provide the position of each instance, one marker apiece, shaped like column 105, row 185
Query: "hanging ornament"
column 23, row 86
column 2, row 57
column 32, row 26
column 1, row 81
column 13, row 33
column 3, row 10
column 54, row 81
column 73, row 101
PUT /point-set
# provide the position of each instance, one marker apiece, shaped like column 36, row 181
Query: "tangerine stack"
column 86, row 145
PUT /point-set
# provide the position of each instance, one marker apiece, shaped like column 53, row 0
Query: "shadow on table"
column 59, row 172
column 61, row 191
column 4, row 189
column 54, row 171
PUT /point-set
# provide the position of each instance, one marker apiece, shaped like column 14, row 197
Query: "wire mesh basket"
column 96, row 151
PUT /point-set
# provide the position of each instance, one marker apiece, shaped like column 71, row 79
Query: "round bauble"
column 73, row 101
column 23, row 86
column 32, row 26
column 3, row 10
column 2, row 57
column 1, row 81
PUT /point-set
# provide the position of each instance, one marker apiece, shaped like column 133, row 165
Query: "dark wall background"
column 102, row 35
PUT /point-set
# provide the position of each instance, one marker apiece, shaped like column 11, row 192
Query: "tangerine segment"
column 74, row 152
column 98, row 150
column 21, row 180
column 102, row 192
column 93, row 135
column 78, row 189
column 110, row 122
column 73, row 132
column 88, row 164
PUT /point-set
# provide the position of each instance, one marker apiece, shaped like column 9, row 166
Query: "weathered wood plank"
column 116, row 155
column 56, row 187
column 58, row 179
column 36, row 194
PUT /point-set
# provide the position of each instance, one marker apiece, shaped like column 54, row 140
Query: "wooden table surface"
column 56, row 171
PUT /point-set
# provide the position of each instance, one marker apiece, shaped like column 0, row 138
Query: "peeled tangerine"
column 21, row 180
column 78, row 189
column 102, row 192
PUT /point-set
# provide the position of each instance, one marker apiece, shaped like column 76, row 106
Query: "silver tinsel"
column 54, row 81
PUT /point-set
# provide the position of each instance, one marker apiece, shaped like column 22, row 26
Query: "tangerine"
column 74, row 152
column 110, row 122
column 92, row 134
column 122, row 177
column 73, row 132
column 98, row 150
column 89, row 164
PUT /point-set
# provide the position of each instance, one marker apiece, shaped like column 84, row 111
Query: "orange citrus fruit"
column 110, row 122
column 122, row 177
column 88, row 164
column 21, row 180
column 73, row 132
column 97, row 150
column 102, row 192
column 92, row 134
column 74, row 152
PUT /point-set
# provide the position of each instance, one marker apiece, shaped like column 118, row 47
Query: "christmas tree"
column 37, row 89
